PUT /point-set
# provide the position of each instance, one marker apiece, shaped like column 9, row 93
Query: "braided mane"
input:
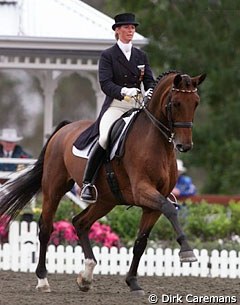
column 162, row 75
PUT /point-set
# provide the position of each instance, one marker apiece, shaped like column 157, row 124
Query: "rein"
column 168, row 134
column 168, row 131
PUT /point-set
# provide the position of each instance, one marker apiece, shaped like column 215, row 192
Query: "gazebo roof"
column 56, row 20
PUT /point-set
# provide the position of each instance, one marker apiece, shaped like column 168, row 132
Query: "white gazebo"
column 51, row 39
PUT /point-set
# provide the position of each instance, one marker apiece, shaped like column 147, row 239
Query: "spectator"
column 184, row 187
column 10, row 149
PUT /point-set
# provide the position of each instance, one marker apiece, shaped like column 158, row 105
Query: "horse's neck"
column 158, row 101
column 152, row 139
column 157, row 106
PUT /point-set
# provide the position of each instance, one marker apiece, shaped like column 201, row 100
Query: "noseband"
column 168, row 131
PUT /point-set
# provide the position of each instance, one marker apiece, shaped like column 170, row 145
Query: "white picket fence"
column 21, row 254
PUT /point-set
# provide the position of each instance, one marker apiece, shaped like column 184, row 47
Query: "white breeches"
column 114, row 112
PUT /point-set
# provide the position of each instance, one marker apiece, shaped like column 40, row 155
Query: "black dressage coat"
column 116, row 72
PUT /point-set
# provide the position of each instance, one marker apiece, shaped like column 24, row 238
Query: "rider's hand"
column 129, row 91
column 148, row 93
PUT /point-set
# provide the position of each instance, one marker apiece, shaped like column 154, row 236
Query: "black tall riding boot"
column 96, row 157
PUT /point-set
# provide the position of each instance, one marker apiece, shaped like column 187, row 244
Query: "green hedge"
column 206, row 225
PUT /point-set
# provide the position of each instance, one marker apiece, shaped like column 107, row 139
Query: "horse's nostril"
column 183, row 147
column 180, row 147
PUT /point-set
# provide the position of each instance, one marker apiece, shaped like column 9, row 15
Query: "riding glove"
column 129, row 91
column 148, row 93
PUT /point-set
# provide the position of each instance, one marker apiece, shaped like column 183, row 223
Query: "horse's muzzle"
column 184, row 147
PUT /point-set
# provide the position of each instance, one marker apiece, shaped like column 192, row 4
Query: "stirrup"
column 85, row 185
column 172, row 198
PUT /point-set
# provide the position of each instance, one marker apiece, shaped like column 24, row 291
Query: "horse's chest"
column 166, row 182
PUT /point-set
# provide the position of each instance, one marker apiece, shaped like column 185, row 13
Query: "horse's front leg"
column 148, row 220
column 154, row 200
column 186, row 252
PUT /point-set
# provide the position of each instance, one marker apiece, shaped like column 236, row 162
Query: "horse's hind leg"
column 41, row 271
column 45, row 230
column 82, row 223
column 149, row 218
column 52, row 194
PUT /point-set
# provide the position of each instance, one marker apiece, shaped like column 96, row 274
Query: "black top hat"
column 125, row 18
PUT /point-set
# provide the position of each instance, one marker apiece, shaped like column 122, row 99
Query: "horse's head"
column 175, row 113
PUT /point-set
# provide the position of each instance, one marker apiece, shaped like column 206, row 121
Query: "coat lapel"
column 131, row 65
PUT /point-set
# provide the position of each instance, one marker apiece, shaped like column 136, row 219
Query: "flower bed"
column 100, row 234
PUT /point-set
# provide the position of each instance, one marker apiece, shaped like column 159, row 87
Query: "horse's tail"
column 17, row 193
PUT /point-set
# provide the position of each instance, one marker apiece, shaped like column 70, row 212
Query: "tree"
column 194, row 37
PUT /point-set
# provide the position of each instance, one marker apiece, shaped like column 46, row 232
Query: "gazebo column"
column 49, row 84
column 48, row 111
column 49, row 80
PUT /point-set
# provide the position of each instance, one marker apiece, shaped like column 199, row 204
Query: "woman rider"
column 122, row 69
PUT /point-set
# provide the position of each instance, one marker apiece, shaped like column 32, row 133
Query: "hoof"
column 137, row 293
column 83, row 284
column 43, row 285
column 187, row 257
column 43, row 288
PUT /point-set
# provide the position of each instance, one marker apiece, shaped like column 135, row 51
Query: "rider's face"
column 126, row 32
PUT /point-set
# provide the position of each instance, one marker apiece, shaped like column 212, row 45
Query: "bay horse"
column 146, row 174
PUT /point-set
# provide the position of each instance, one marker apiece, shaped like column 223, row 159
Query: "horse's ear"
column 177, row 80
column 196, row 81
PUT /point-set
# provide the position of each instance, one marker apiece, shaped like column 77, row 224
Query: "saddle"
column 119, row 132
column 116, row 139
column 116, row 148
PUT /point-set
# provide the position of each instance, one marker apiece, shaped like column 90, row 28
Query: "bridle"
column 168, row 131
